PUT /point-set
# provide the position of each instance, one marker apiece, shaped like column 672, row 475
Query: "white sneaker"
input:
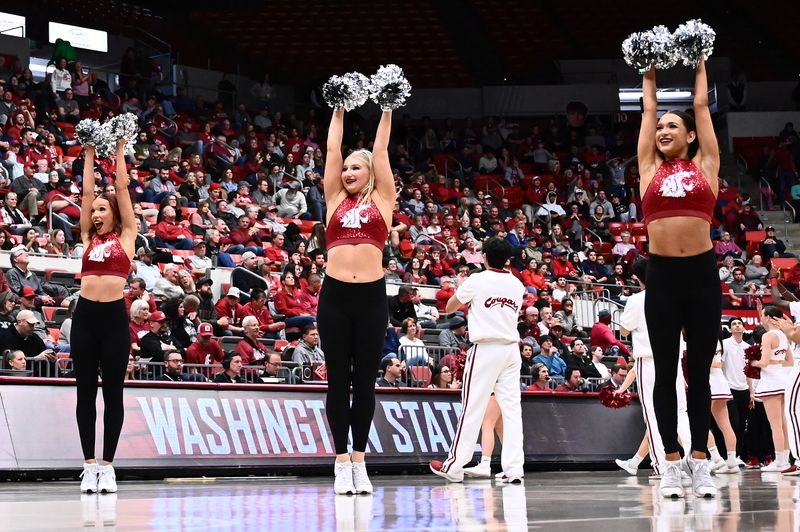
column 671, row 485
column 482, row 470
column 361, row 481
column 716, row 464
column 89, row 478
column 343, row 484
column 506, row 479
column 702, row 483
column 106, row 479
column 626, row 466
column 729, row 469
column 774, row 466
column 436, row 468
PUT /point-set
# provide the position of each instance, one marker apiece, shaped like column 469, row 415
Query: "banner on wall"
column 749, row 317
column 264, row 426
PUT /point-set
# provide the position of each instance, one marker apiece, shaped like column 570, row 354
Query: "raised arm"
column 647, row 132
column 88, row 194
column 384, row 180
column 332, row 181
column 128, row 237
column 709, row 149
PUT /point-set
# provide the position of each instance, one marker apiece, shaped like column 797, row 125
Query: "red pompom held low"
column 611, row 400
column 752, row 354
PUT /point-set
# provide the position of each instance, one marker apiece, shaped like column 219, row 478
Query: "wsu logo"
column 101, row 252
column 356, row 216
column 502, row 301
column 676, row 185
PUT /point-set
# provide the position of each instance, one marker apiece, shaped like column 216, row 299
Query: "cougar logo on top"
column 101, row 252
column 676, row 185
column 355, row 217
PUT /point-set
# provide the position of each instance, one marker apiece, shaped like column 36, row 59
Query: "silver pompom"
column 86, row 132
column 694, row 41
column 124, row 126
column 651, row 48
column 349, row 91
column 105, row 141
column 390, row 88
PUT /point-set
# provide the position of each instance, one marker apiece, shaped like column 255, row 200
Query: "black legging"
column 352, row 320
column 683, row 293
column 100, row 340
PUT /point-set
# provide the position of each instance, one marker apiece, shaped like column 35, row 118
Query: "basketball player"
column 493, row 364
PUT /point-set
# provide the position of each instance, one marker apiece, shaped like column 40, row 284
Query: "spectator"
column 773, row 247
column 573, row 382
column 597, row 360
column 391, row 369
column 246, row 238
column 726, row 246
column 578, row 357
column 621, row 248
column 205, row 350
column 292, row 202
column 562, row 265
column 412, row 348
column 288, row 302
column 426, row 314
column 456, row 335
column 567, row 317
column 272, row 367
column 14, row 220
column 526, row 354
column 139, row 325
column 250, row 348
column 27, row 301
column 173, row 370
column 168, row 287
column 232, row 368
column 618, row 374
column 307, row 350
column 541, row 378
column 171, row 234
column 549, row 357
column 603, row 336
column 601, row 201
column 471, row 255
column 258, row 307
column 401, row 305
column 145, row 269
column 14, row 360
column 199, row 263
column 246, row 277
column 309, row 295
column 19, row 276
column 21, row 337
column 157, row 343
column 445, row 292
column 442, row 378
column 8, row 303
column 755, row 270
column 228, row 307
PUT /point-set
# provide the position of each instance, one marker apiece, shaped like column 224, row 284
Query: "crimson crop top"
column 105, row 256
column 351, row 224
column 678, row 189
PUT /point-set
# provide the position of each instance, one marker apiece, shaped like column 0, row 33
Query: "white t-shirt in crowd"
column 496, row 299
column 633, row 319
column 733, row 362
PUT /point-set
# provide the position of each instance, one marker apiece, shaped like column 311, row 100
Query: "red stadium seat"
column 638, row 229
column 617, row 227
column 421, row 374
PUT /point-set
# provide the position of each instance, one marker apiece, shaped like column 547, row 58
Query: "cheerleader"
column 720, row 395
column 791, row 396
column 775, row 363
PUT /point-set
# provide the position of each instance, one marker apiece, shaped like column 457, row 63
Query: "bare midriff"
column 679, row 236
column 355, row 263
column 102, row 288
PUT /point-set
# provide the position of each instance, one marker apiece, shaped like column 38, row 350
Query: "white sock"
column 715, row 456
column 486, row 459
column 635, row 460
column 732, row 458
column 783, row 457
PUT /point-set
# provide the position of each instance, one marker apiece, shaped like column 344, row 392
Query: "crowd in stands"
column 218, row 185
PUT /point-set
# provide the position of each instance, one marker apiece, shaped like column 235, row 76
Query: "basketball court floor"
column 564, row 501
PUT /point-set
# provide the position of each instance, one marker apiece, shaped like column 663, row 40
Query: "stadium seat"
column 421, row 375
column 617, row 228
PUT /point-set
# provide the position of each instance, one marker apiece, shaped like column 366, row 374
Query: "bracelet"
column 773, row 282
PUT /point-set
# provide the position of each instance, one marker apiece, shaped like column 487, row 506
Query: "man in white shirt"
column 426, row 314
column 145, row 269
column 621, row 248
column 733, row 362
column 493, row 364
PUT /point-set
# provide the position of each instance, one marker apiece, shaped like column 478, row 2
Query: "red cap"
column 214, row 186
column 205, row 329
column 158, row 316
column 28, row 292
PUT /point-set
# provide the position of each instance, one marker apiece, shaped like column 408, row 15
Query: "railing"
column 460, row 167
column 761, row 191
column 787, row 221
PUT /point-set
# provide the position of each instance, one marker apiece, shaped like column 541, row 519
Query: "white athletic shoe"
column 343, row 483
column 671, row 485
column 729, row 469
column 716, row 464
column 702, row 483
column 482, row 470
column 436, row 468
column 106, row 479
column 361, row 481
column 502, row 478
column 626, row 466
column 773, row 467
column 89, row 478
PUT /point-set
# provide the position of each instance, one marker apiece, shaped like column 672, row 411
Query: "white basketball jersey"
column 496, row 299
